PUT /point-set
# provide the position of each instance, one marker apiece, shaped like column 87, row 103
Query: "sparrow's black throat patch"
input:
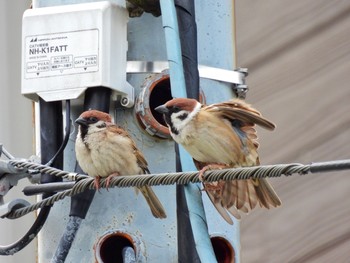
column 83, row 131
column 173, row 129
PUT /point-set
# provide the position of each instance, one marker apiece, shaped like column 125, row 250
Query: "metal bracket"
column 9, row 176
column 7, row 208
column 6, row 153
column 127, row 100
column 231, row 76
column 241, row 90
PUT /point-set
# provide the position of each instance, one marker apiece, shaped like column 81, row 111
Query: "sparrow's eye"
column 175, row 109
column 92, row 120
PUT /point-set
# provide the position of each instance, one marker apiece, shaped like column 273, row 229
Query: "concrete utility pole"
column 17, row 131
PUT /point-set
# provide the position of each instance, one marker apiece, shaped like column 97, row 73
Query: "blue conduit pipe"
column 178, row 89
column 173, row 48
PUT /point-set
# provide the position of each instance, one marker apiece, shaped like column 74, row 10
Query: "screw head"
column 124, row 101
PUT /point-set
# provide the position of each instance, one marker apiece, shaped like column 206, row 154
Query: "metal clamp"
column 7, row 208
column 231, row 76
column 241, row 90
column 9, row 176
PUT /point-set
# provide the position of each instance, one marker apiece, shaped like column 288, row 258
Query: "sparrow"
column 217, row 136
column 105, row 150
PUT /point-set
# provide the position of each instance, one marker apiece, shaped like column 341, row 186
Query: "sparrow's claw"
column 211, row 166
column 97, row 183
column 108, row 180
column 201, row 173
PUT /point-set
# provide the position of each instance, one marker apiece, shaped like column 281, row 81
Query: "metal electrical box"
column 69, row 48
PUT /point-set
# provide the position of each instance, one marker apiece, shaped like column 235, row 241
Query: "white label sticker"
column 61, row 54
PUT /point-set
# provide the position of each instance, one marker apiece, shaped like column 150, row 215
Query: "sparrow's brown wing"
column 242, row 117
column 242, row 195
column 141, row 161
column 153, row 202
column 237, row 109
column 155, row 205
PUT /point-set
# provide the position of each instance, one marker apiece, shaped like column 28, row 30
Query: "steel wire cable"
column 84, row 182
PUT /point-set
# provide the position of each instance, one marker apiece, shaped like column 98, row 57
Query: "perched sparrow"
column 105, row 150
column 222, row 135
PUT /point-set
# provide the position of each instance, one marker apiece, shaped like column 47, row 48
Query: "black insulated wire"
column 29, row 236
column 51, row 136
column 185, row 10
column 66, row 137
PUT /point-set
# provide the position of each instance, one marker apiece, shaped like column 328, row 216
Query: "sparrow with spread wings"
column 105, row 150
column 222, row 135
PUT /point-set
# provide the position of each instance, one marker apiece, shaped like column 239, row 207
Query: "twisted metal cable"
column 41, row 168
column 84, row 182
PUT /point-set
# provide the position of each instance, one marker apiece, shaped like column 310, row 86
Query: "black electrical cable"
column 29, row 236
column 186, row 248
column 97, row 98
column 51, row 136
column 185, row 10
column 66, row 137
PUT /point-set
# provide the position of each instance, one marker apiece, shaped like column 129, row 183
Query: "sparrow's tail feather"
column 266, row 194
column 241, row 196
column 156, row 206
column 234, row 194
column 222, row 211
column 252, row 197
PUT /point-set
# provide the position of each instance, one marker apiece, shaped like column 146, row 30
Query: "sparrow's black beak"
column 162, row 109
column 82, row 122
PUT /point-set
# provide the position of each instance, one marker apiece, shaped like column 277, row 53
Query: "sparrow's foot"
column 97, row 183
column 212, row 166
column 213, row 186
column 108, row 180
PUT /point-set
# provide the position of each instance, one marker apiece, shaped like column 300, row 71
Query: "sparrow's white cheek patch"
column 96, row 127
column 102, row 125
column 180, row 119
